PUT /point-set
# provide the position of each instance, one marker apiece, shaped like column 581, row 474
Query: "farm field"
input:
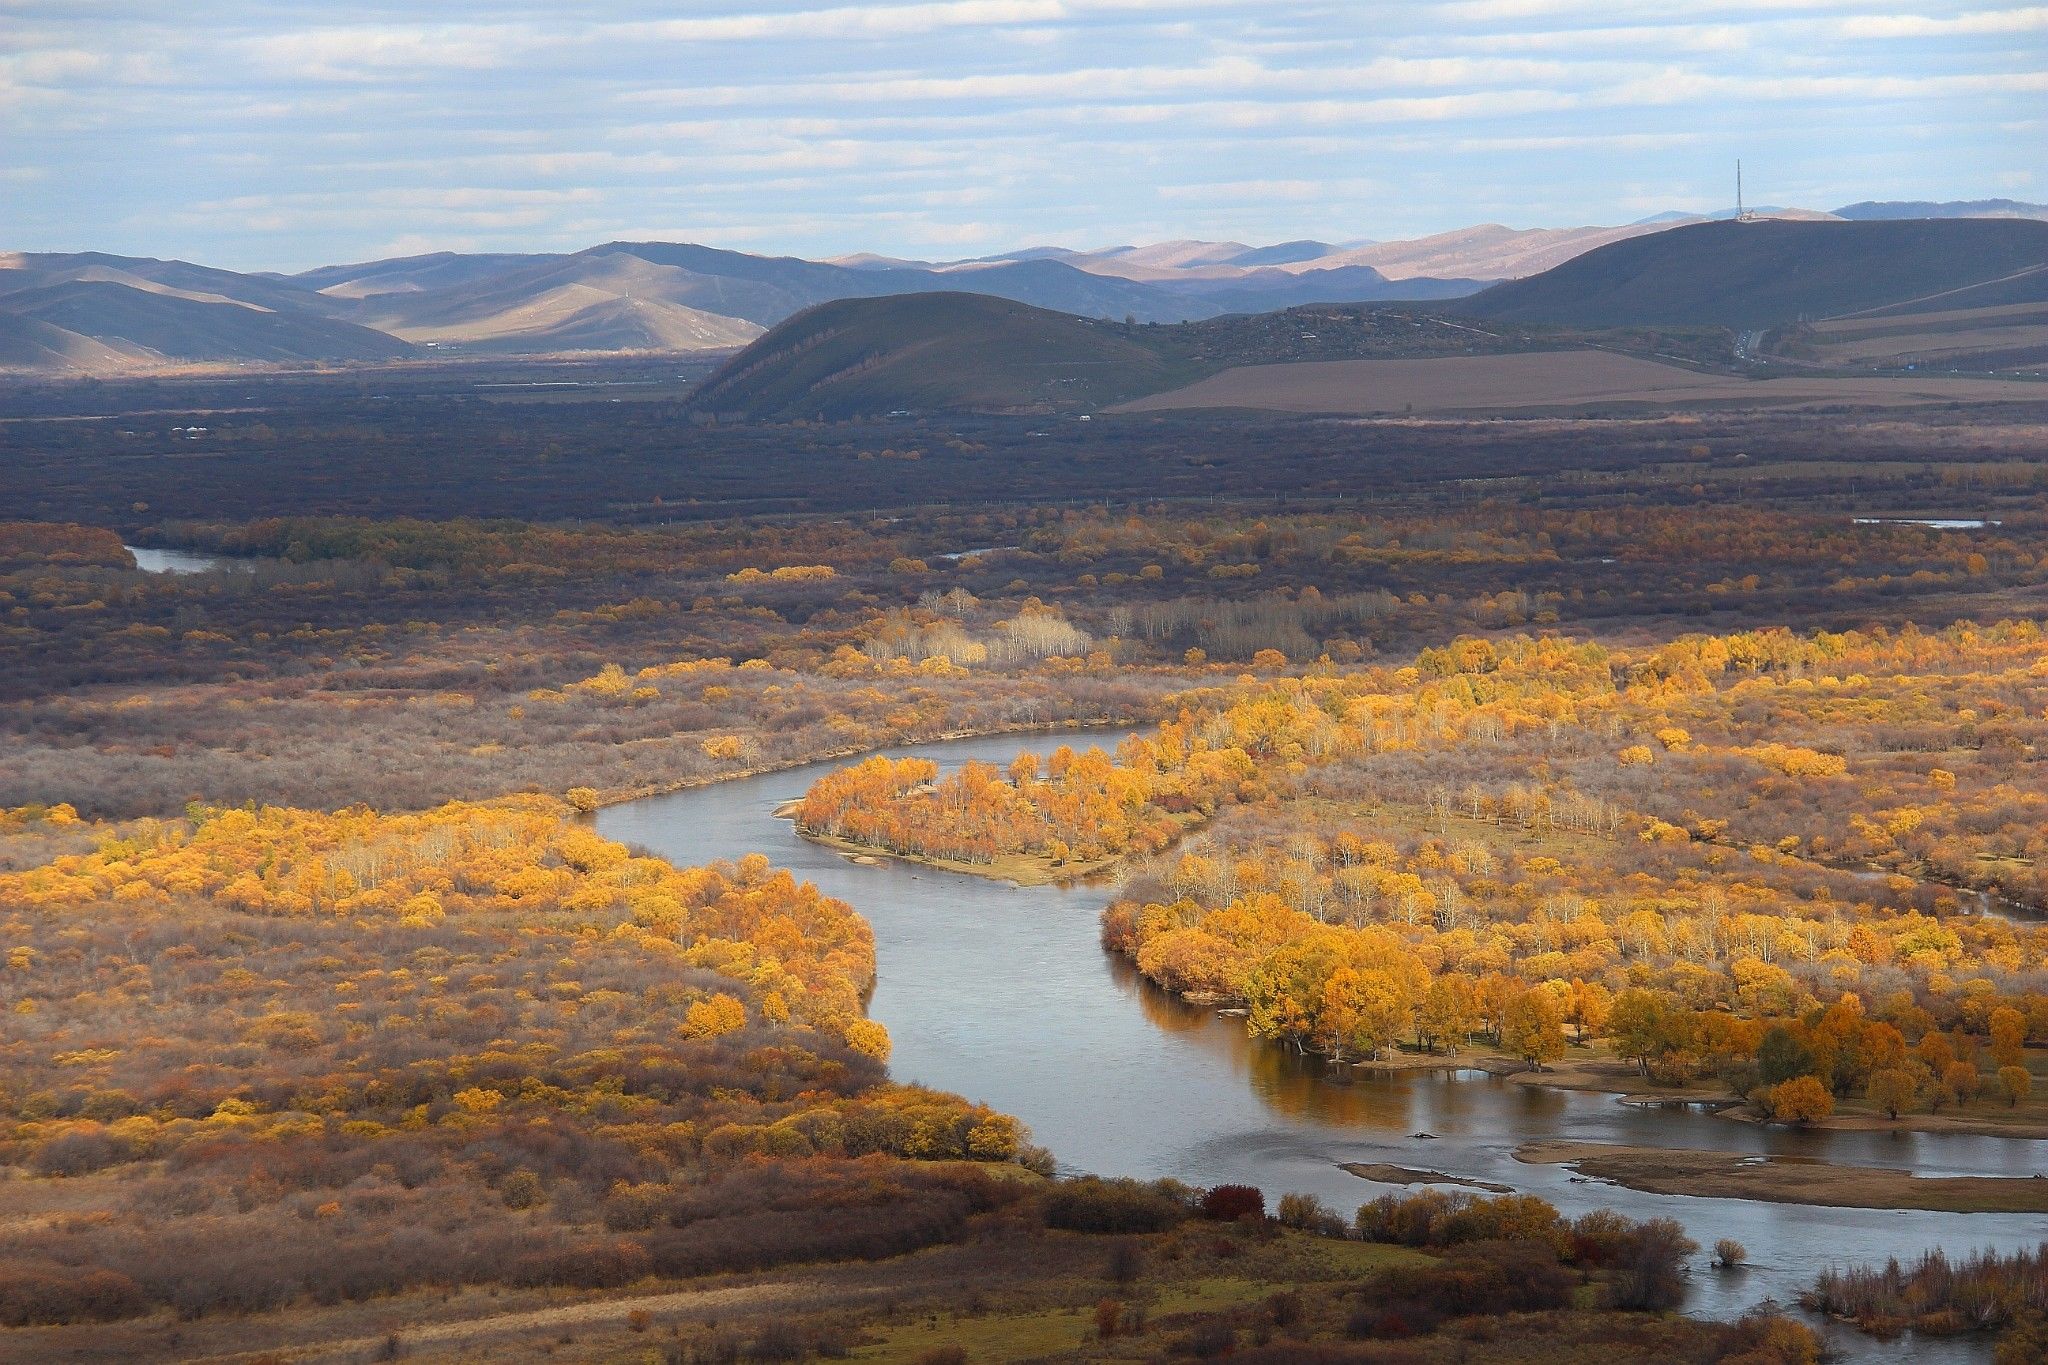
column 1546, row 380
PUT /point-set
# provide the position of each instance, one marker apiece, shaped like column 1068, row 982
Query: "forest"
column 1543, row 841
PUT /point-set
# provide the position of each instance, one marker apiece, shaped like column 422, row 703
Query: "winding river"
column 1004, row 994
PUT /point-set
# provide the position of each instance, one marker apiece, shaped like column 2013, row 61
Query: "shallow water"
column 1934, row 523
column 1004, row 994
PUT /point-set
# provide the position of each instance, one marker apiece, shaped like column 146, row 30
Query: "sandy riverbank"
column 1788, row 1180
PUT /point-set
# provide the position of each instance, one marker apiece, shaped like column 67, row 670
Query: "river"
column 1004, row 994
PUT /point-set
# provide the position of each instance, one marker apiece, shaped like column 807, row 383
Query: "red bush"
column 1229, row 1203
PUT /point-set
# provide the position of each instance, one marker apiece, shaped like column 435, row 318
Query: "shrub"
column 1207, row 1341
column 595, row 1264
column 1649, row 1267
column 1729, row 1253
column 32, row 1294
column 79, row 1152
column 1229, row 1203
column 1092, row 1204
column 1432, row 1218
column 1306, row 1212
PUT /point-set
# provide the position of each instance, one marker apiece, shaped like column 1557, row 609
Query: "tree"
column 1891, row 1090
column 1639, row 1024
column 1362, row 1011
column 2008, row 1036
column 2015, row 1083
column 1447, row 1016
column 1801, row 1100
column 1532, row 1027
column 1961, row 1080
column 1782, row 1055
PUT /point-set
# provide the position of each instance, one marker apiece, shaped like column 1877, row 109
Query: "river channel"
column 1004, row 994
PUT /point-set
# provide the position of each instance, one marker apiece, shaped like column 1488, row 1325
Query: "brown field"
column 2005, row 314
column 1547, row 379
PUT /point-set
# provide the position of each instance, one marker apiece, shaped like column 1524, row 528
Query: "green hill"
column 1765, row 274
column 919, row 352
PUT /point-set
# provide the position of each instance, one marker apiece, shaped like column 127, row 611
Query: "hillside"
column 867, row 357
column 1767, row 273
column 964, row 352
column 102, row 319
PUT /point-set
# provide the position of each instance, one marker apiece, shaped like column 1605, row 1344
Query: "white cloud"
column 2029, row 20
column 371, row 52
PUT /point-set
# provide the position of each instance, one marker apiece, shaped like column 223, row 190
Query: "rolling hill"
column 1754, row 275
column 864, row 357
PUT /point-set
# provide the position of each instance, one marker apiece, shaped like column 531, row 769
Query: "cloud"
column 262, row 134
column 2031, row 20
column 896, row 21
column 369, row 52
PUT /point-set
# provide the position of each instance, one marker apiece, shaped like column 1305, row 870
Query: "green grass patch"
column 1009, row 1336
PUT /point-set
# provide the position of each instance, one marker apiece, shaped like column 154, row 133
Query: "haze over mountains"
column 90, row 313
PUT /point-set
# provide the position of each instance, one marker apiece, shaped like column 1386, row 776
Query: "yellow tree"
column 1532, row 1027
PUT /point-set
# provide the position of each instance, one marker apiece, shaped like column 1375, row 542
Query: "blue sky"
column 266, row 135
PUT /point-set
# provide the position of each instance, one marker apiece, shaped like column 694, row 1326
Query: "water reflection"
column 1005, row 994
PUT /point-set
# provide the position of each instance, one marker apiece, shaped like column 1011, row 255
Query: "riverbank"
column 1595, row 1070
column 1787, row 1180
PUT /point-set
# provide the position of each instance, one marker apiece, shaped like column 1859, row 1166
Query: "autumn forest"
column 1695, row 760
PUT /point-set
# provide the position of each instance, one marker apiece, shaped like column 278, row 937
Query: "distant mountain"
column 92, row 313
column 1874, row 210
column 1766, row 273
column 1489, row 251
column 95, row 317
column 21, row 271
column 121, row 314
column 868, row 357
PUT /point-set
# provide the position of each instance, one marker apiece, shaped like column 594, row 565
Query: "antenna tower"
column 1742, row 214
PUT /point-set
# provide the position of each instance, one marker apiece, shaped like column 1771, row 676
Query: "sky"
column 282, row 136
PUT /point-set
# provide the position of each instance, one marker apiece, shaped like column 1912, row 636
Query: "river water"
column 172, row 561
column 1004, row 994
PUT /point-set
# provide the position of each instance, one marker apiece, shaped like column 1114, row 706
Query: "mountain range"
column 94, row 314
